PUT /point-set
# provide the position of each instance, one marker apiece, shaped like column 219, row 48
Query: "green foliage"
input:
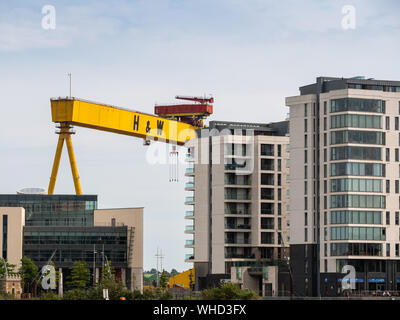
column 28, row 271
column 49, row 295
column 228, row 291
column 10, row 267
column 80, row 275
column 163, row 280
column 77, row 294
column 156, row 294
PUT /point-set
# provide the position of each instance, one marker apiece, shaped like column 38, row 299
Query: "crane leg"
column 56, row 164
column 74, row 168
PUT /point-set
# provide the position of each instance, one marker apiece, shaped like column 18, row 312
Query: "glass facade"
column 358, row 233
column 354, row 104
column 357, row 169
column 357, row 185
column 356, row 249
column 356, row 121
column 54, row 210
column 354, row 136
column 357, row 153
column 356, row 217
column 357, row 201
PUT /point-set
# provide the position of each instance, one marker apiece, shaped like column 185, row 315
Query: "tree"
column 163, row 280
column 28, row 271
column 191, row 283
column 80, row 275
column 10, row 267
column 174, row 272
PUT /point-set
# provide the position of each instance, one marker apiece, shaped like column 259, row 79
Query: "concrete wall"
column 16, row 222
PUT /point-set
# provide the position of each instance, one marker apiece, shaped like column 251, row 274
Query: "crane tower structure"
column 170, row 126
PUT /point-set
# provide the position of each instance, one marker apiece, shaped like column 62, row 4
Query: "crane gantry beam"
column 70, row 112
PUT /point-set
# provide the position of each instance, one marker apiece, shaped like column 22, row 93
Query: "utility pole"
column 94, row 265
column 159, row 256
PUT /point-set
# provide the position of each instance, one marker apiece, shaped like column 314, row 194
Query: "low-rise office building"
column 69, row 228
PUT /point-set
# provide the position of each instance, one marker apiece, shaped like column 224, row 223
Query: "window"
column 356, row 217
column 325, row 107
column 397, row 249
column 305, row 235
column 387, row 154
column 305, row 156
column 355, row 121
column 362, row 137
column 5, row 236
column 279, row 150
column 305, row 109
column 305, row 172
column 396, row 155
column 305, row 125
column 356, row 185
column 357, row 201
column 396, row 186
column 354, row 104
column 305, row 141
column 325, row 139
column 305, row 187
column 387, row 186
column 325, row 155
column 357, row 169
column 396, row 219
column 325, row 124
column 279, row 165
column 387, row 217
column 305, row 218
column 267, row 149
column 388, row 249
column 357, row 153
column 387, row 123
column 396, row 123
column 358, row 233
column 305, row 203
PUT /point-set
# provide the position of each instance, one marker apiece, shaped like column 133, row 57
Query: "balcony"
column 237, row 226
column 189, row 171
column 189, row 256
column 189, row 157
column 189, row 228
column 189, row 243
column 267, row 226
column 239, row 256
column 237, row 196
column 237, row 211
column 237, row 241
column 189, row 200
column 189, row 185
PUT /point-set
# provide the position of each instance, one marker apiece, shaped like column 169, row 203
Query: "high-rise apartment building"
column 238, row 198
column 344, row 185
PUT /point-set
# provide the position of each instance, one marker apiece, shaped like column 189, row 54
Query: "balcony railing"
column 189, row 185
column 237, row 182
column 189, row 256
column 189, row 170
column 239, row 256
column 237, row 241
column 237, row 211
column 267, row 226
column 189, row 213
column 189, row 199
column 237, row 196
column 189, row 242
column 237, row 226
column 189, row 228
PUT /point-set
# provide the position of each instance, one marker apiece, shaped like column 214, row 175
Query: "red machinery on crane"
column 191, row 113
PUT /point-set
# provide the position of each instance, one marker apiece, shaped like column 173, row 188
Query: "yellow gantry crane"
column 69, row 112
